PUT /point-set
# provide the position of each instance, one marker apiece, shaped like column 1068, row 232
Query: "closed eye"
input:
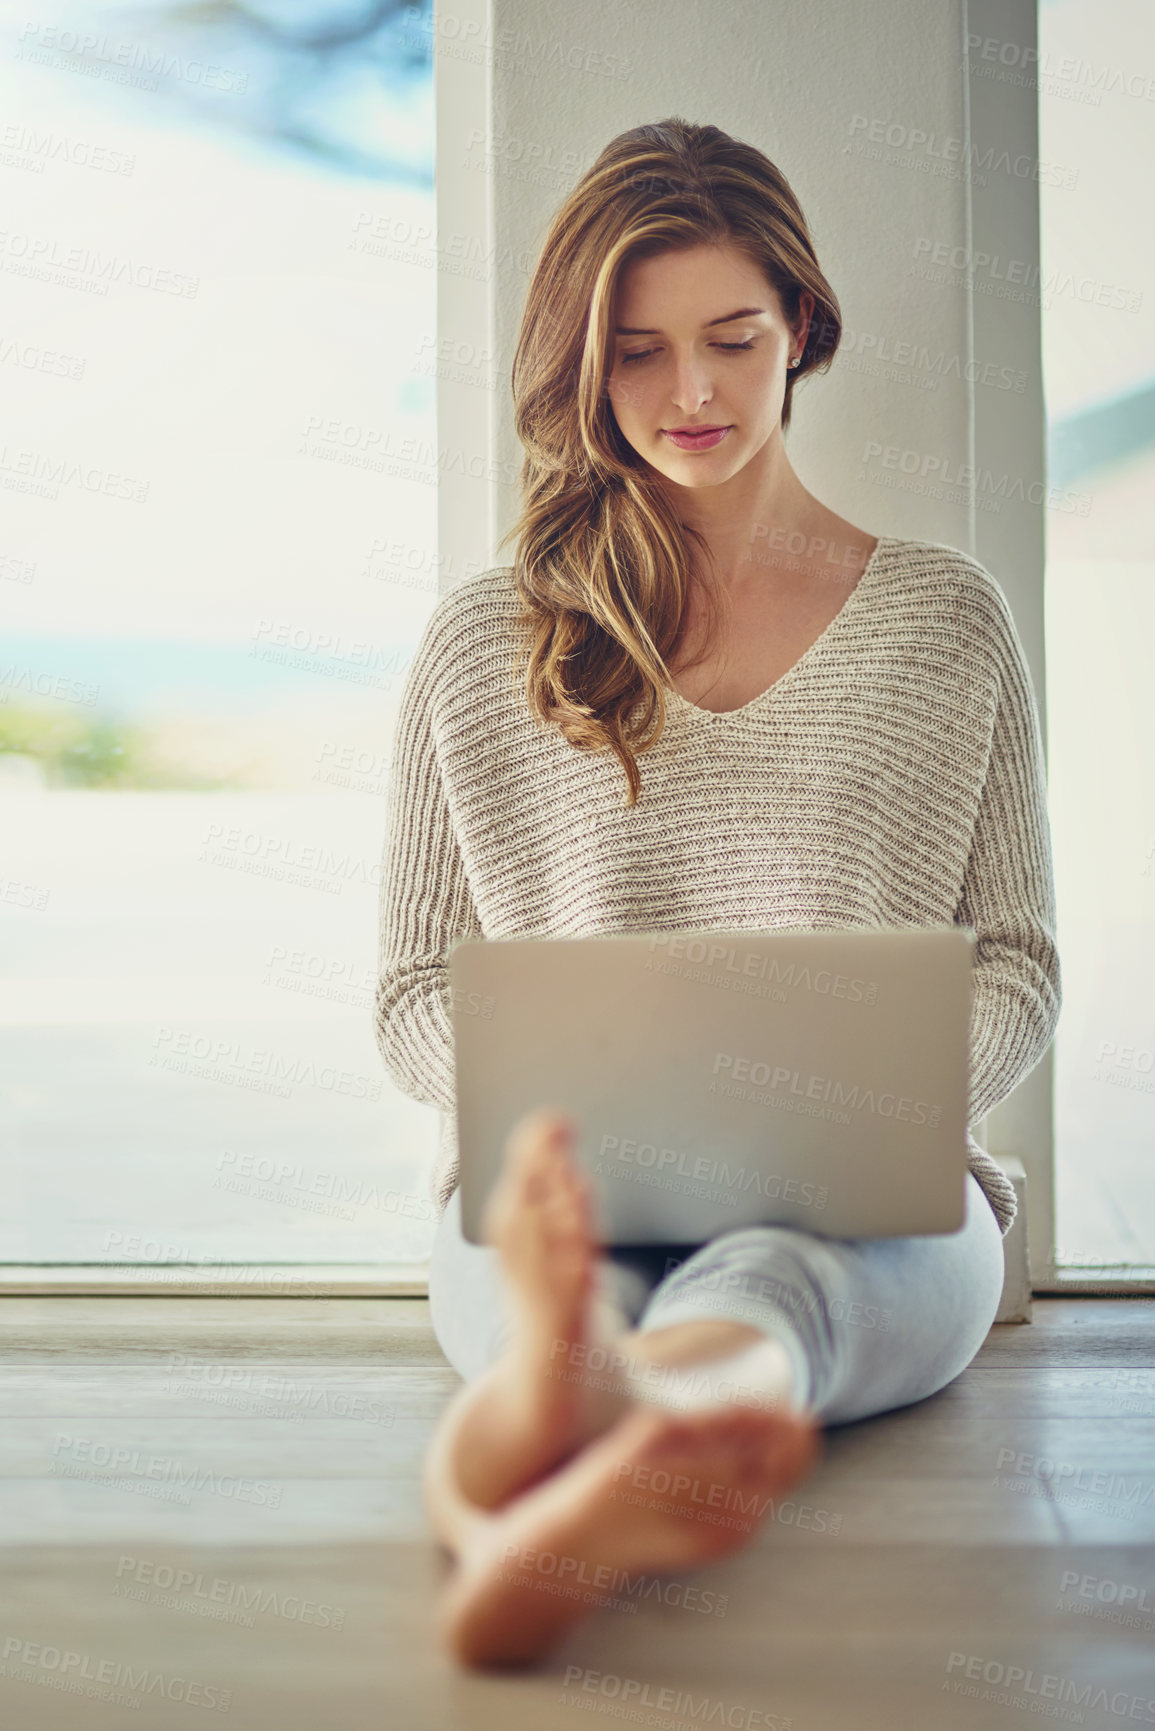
column 643, row 354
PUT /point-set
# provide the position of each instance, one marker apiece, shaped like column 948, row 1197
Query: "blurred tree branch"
column 361, row 25
column 317, row 68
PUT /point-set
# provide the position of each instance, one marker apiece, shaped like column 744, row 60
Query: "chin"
column 697, row 471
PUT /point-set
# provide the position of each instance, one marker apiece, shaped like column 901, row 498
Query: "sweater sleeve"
column 425, row 900
column 1008, row 895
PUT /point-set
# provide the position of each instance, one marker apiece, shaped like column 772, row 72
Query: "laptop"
column 726, row 1079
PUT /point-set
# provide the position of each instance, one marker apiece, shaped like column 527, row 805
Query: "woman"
column 838, row 730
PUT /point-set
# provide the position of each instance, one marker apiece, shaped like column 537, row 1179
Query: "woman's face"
column 683, row 359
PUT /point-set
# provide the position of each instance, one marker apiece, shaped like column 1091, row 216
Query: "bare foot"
column 657, row 1492
column 538, row 1403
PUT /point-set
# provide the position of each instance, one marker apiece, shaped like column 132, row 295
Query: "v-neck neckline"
column 869, row 571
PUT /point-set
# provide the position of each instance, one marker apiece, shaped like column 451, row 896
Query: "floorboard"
column 211, row 1508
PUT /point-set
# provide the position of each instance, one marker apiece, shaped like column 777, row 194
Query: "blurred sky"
column 207, row 399
column 1104, row 224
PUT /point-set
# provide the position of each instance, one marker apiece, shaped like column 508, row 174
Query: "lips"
column 695, row 439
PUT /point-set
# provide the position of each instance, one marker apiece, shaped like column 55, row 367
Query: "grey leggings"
column 871, row 1323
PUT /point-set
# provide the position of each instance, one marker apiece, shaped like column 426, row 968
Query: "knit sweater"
column 894, row 776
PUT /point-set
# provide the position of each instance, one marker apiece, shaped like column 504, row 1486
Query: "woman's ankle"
column 694, row 1363
column 688, row 1342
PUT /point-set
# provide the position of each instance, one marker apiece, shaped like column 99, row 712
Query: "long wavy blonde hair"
column 602, row 562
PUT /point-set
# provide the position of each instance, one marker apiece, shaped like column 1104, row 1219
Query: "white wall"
column 528, row 93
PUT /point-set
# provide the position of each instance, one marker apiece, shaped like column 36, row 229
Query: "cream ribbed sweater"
column 892, row 777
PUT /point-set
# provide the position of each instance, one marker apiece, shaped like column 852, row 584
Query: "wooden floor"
column 202, row 1496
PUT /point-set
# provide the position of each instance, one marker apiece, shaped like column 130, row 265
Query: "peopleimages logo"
column 1023, row 1686
column 827, row 1089
column 631, row 1694
column 191, row 1589
column 704, row 1169
column 1108, row 1592
column 76, row 1673
column 750, row 964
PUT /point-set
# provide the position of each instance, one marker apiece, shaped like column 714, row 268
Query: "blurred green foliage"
column 94, row 750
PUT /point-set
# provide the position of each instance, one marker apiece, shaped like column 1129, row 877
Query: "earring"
column 797, row 361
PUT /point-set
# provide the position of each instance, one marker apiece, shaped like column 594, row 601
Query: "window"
column 1096, row 84
column 219, row 489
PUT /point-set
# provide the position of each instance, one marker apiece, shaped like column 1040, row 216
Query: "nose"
column 692, row 385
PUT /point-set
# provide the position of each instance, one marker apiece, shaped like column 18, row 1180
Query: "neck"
column 750, row 521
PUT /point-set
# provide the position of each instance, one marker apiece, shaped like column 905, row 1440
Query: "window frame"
column 1003, row 217
column 1004, row 220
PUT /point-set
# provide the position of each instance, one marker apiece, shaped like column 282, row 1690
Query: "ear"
column 801, row 326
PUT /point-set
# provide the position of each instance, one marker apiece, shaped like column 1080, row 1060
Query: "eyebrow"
column 726, row 319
